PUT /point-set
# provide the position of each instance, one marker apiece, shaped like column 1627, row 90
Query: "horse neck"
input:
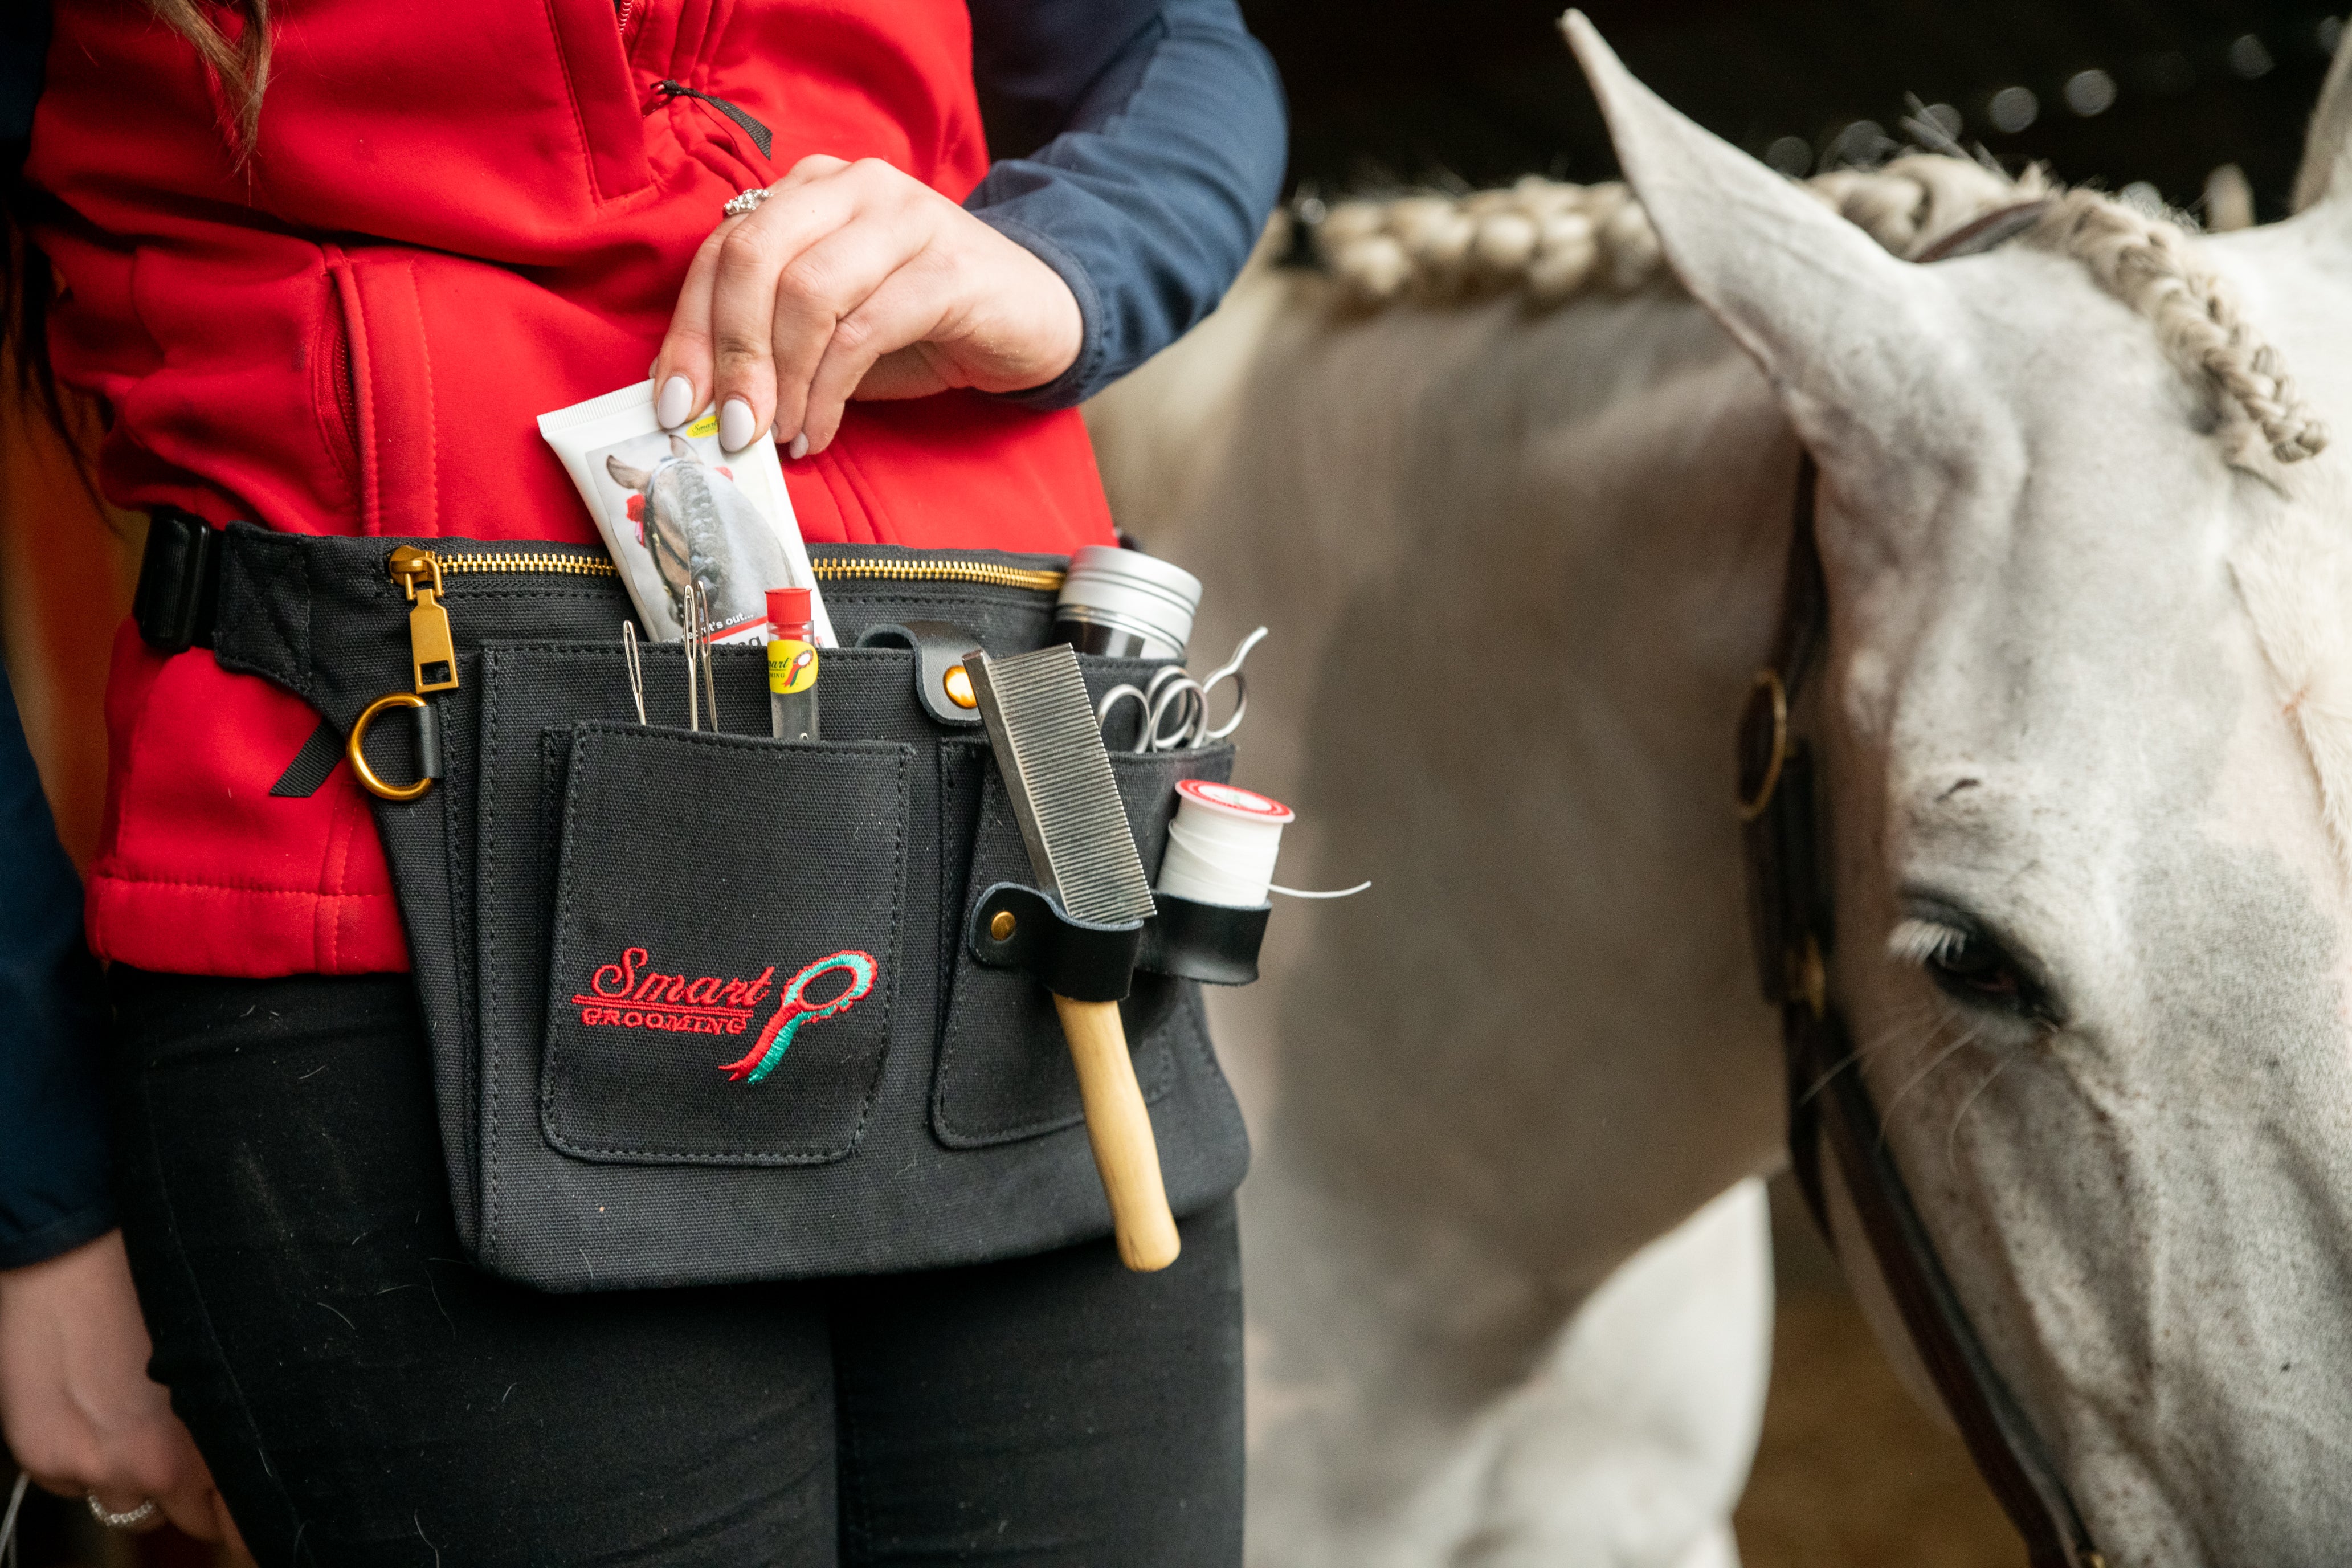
column 1518, row 573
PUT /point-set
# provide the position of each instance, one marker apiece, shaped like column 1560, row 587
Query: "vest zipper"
column 761, row 137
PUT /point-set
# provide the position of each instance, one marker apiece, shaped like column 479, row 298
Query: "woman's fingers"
column 902, row 311
column 855, row 280
column 76, row 1402
column 183, row 1490
column 684, row 372
column 816, row 166
column 847, row 300
column 755, row 297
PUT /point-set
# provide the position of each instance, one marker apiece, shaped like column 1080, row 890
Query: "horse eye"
column 1973, row 967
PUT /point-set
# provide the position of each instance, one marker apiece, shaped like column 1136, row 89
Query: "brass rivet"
column 1001, row 926
column 958, row 682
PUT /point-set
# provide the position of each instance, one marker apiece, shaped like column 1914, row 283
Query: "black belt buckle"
column 179, row 582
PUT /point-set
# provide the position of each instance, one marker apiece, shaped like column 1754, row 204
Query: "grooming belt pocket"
column 1004, row 1070
column 725, row 946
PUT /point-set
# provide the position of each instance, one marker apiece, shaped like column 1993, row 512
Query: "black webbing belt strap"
column 177, row 605
column 179, row 581
column 1789, row 906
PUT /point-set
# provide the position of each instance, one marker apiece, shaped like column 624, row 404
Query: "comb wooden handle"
column 1120, row 1128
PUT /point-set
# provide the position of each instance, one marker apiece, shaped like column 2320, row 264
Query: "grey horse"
column 701, row 529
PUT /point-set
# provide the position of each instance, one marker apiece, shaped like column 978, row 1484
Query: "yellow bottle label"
column 791, row 666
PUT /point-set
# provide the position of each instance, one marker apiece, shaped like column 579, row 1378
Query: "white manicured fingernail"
column 799, row 448
column 676, row 402
column 735, row 431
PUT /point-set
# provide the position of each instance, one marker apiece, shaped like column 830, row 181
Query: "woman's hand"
column 77, row 1407
column 854, row 281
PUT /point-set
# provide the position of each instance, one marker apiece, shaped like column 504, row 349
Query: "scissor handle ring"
column 1109, row 705
column 1232, row 721
column 1187, row 691
column 358, row 758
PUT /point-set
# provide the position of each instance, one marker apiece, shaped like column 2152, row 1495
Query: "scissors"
column 1172, row 691
column 1229, row 670
column 1170, row 687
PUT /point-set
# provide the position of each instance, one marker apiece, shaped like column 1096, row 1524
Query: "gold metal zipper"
column 545, row 561
column 409, row 562
column 419, row 573
column 986, row 572
column 434, row 654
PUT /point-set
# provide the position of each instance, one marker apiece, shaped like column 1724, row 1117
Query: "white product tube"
column 661, row 498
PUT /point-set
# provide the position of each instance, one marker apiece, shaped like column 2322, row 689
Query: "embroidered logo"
column 627, row 996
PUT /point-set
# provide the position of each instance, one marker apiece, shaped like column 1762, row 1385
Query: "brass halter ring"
column 358, row 758
column 1768, row 687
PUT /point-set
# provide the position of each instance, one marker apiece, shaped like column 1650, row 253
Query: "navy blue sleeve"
column 53, row 1168
column 1165, row 139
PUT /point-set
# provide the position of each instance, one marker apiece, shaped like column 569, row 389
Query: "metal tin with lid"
column 1125, row 603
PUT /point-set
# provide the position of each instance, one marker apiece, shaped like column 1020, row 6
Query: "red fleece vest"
column 456, row 217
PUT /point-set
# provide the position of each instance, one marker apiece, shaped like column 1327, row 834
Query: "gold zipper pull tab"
column 431, row 648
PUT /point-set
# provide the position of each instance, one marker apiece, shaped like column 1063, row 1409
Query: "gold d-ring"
column 1766, row 685
column 359, row 769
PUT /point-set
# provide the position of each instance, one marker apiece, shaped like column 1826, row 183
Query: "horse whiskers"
column 1968, row 1036
column 1892, row 1032
column 1951, row 1138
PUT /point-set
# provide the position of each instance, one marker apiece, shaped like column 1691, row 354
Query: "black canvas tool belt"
column 708, row 1006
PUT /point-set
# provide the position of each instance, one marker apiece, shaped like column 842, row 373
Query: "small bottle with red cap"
column 792, row 665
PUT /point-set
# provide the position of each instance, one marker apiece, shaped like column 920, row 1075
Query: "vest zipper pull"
column 431, row 650
column 761, row 137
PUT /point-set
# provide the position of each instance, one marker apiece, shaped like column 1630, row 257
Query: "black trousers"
column 365, row 1396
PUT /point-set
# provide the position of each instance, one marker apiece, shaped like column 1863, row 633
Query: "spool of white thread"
column 1222, row 845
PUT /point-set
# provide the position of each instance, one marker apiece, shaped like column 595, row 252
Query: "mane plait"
column 1554, row 242
column 2149, row 262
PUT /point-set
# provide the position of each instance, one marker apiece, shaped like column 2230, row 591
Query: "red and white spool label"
column 1233, row 799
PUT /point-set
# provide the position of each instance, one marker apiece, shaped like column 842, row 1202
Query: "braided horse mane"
column 1552, row 242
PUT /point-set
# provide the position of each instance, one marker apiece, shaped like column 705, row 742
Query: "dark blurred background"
column 1388, row 92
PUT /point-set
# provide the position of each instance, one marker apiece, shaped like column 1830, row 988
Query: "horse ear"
column 627, row 478
column 2327, row 145
column 679, row 447
column 1844, row 331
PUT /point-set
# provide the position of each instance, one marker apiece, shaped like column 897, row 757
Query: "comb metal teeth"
column 1050, row 751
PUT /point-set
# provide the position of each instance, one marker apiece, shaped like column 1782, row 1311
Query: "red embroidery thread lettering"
column 623, row 975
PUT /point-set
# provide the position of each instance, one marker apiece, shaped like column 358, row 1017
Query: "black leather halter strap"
column 1789, row 895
